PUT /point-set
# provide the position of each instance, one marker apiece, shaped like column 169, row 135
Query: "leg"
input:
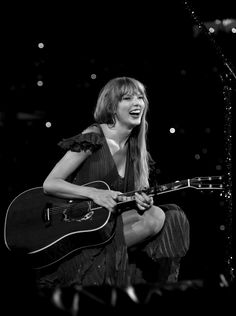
column 158, row 259
column 138, row 228
column 173, row 240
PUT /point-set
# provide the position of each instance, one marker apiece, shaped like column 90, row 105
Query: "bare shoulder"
column 94, row 128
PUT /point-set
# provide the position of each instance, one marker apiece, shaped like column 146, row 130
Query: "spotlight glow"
column 211, row 30
column 40, row 45
column 40, row 83
column 48, row 124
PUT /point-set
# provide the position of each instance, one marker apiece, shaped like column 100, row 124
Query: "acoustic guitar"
column 46, row 229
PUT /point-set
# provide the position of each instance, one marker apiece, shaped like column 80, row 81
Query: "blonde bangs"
column 129, row 86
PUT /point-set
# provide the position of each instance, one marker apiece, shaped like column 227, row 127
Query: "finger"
column 139, row 197
column 146, row 197
column 108, row 202
column 140, row 200
column 110, row 205
column 112, row 202
column 151, row 202
column 142, row 208
column 120, row 197
column 143, row 204
column 115, row 195
column 148, row 200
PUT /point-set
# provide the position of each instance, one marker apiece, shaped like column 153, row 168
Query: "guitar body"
column 47, row 228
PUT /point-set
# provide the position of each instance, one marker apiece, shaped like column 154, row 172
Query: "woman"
column 112, row 151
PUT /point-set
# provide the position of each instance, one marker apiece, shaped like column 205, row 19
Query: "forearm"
column 65, row 189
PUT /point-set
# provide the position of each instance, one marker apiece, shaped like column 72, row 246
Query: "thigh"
column 130, row 217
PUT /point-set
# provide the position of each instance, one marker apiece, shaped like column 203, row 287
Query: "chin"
column 135, row 123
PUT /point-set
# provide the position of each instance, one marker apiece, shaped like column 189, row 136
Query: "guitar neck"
column 159, row 189
column 169, row 187
column 199, row 183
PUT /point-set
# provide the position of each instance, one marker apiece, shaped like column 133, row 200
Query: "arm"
column 56, row 183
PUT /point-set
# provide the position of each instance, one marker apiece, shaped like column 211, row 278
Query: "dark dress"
column 112, row 264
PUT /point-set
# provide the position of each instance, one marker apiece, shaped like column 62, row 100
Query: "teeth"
column 135, row 111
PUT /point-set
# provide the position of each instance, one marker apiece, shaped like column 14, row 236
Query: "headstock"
column 206, row 183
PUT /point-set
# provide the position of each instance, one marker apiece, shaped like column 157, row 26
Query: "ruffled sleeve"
column 82, row 142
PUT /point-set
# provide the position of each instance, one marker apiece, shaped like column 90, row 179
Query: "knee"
column 155, row 219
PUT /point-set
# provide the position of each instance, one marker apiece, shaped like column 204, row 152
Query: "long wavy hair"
column 107, row 102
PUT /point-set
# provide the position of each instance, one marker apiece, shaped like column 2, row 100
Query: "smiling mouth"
column 135, row 113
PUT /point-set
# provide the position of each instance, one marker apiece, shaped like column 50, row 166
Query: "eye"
column 126, row 97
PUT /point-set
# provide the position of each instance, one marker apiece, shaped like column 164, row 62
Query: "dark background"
column 160, row 45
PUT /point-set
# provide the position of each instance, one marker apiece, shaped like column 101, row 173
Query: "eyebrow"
column 133, row 93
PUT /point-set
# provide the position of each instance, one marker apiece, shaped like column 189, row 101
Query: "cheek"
column 123, row 111
column 121, row 114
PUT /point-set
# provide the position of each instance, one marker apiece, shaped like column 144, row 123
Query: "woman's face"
column 130, row 110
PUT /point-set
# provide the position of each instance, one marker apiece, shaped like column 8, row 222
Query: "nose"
column 137, row 100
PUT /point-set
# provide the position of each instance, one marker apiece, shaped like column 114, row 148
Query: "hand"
column 106, row 198
column 143, row 201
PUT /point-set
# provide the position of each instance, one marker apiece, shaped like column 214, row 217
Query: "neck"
column 117, row 133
